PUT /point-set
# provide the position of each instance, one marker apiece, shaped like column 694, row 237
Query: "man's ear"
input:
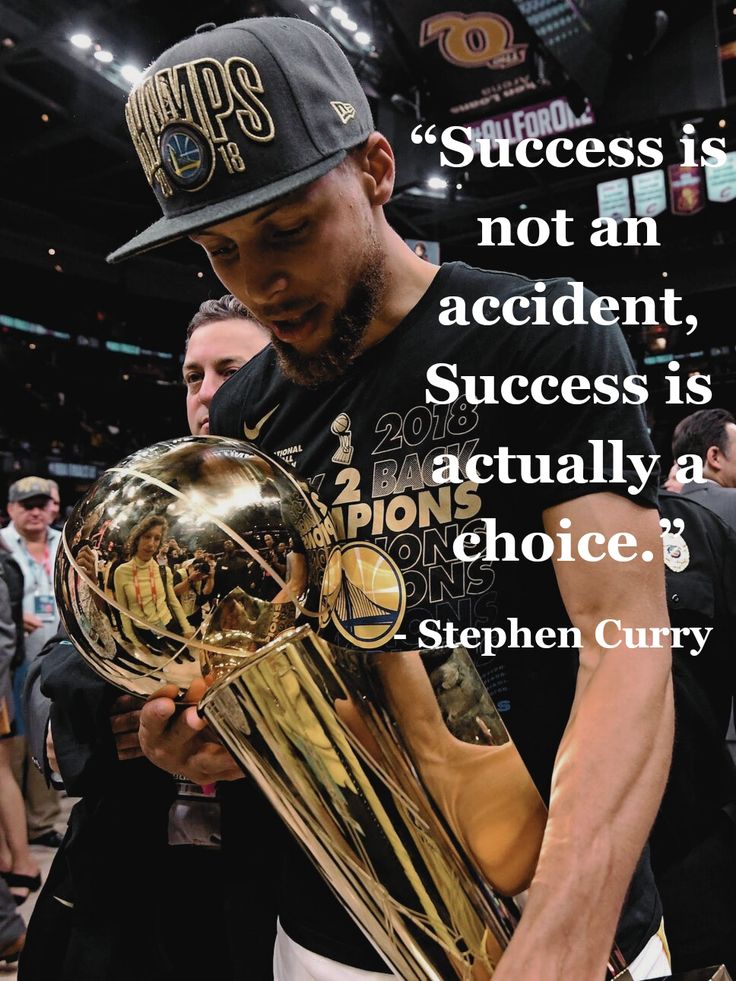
column 375, row 158
column 713, row 458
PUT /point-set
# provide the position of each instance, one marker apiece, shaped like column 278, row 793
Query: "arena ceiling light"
column 344, row 21
column 436, row 183
column 130, row 73
column 122, row 76
column 82, row 41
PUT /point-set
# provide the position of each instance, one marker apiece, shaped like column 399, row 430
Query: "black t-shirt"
column 367, row 442
column 232, row 571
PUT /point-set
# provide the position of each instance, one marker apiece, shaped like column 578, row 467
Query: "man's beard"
column 349, row 327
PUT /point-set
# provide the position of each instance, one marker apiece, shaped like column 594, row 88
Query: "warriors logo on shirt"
column 371, row 601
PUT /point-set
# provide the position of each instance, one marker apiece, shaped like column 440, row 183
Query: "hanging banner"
column 580, row 36
column 545, row 119
column 687, row 190
column 614, row 200
column 650, row 193
column 721, row 181
column 471, row 61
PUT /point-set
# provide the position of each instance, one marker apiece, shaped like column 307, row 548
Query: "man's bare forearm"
column 609, row 776
column 613, row 760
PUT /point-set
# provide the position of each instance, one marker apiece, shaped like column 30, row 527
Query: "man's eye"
column 192, row 379
column 290, row 232
column 222, row 250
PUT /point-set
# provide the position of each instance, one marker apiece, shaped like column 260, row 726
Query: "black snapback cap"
column 236, row 116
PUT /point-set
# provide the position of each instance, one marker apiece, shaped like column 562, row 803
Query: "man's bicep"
column 626, row 584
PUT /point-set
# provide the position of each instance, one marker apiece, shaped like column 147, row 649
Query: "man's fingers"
column 127, row 722
column 155, row 716
column 126, row 703
column 212, row 763
column 130, row 754
column 177, row 742
column 195, row 691
column 165, row 737
column 165, row 691
column 193, row 720
column 127, row 741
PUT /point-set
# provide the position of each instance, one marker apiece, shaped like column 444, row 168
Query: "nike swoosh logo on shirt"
column 256, row 431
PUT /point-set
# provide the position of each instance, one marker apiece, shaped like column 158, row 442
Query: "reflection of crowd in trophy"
column 176, row 588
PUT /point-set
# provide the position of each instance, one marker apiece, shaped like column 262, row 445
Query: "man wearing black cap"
column 33, row 544
column 259, row 144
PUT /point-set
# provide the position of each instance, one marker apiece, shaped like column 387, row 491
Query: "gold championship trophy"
column 393, row 770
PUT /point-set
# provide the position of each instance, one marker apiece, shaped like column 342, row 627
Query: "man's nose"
column 210, row 383
column 263, row 285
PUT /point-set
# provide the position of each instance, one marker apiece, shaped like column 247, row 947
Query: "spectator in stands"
column 12, row 928
column 12, row 816
column 54, row 505
column 19, row 870
column 711, row 435
column 33, row 544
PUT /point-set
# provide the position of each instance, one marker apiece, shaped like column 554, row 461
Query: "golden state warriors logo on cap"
column 371, row 602
column 186, row 157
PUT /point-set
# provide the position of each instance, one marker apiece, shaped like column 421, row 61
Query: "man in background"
column 693, row 842
column 54, row 505
column 33, row 545
column 711, row 435
column 217, row 345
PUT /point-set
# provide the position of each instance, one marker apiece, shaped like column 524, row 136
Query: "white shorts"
column 652, row 962
column 292, row 962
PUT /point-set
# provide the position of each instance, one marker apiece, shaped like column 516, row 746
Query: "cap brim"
column 167, row 230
